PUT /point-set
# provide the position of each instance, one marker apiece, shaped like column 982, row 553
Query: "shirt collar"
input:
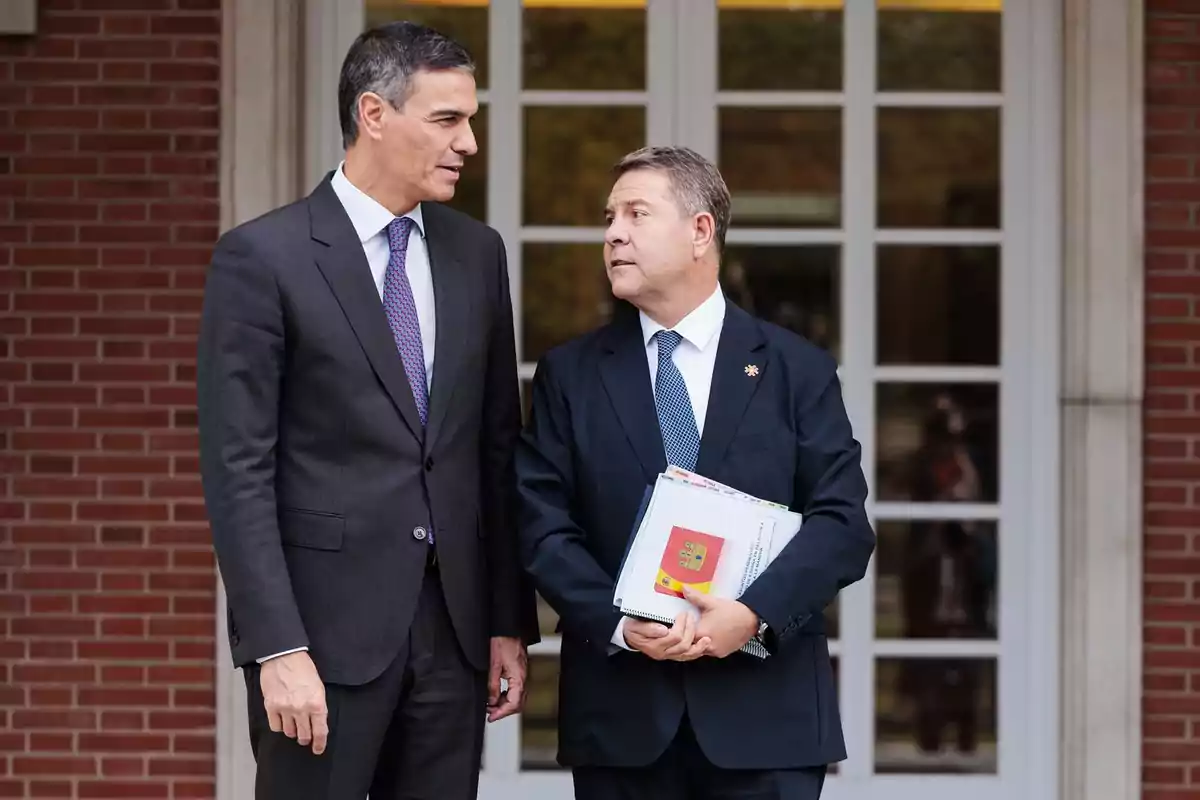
column 699, row 327
column 366, row 214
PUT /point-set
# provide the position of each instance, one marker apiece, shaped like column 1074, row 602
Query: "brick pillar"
column 108, row 211
column 1171, row 751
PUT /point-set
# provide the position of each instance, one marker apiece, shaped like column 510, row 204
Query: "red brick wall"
column 108, row 210
column 1171, row 768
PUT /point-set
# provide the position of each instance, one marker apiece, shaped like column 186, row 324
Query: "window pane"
column 936, row 580
column 547, row 618
column 569, row 156
column 783, row 166
column 937, row 443
column 471, row 195
column 954, row 51
column 938, row 305
column 584, row 48
column 526, row 399
column 468, row 24
column 935, row 715
column 539, row 720
column 564, row 293
column 833, row 621
column 790, row 49
column 939, row 168
column 796, row 287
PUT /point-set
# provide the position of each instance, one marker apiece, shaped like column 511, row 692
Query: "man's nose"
column 615, row 234
column 465, row 143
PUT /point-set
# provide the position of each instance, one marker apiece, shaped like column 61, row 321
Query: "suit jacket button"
column 429, row 464
column 419, row 533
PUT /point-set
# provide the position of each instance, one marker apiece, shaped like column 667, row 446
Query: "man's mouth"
column 620, row 262
column 455, row 170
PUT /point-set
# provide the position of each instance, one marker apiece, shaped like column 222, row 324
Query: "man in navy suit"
column 683, row 376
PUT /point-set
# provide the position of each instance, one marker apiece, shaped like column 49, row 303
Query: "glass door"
column 879, row 154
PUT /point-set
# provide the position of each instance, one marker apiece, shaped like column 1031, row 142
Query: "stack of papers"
column 694, row 531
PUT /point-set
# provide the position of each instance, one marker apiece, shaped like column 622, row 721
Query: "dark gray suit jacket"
column 318, row 475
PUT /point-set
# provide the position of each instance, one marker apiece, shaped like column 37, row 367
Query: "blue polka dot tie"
column 402, row 313
column 681, row 439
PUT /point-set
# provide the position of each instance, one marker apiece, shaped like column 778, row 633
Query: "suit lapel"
column 626, row 377
column 740, row 366
column 340, row 258
column 451, row 291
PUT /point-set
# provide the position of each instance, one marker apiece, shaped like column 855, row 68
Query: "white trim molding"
column 1102, row 378
column 260, row 166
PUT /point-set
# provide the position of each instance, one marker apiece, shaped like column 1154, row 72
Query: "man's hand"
column 509, row 662
column 294, row 697
column 677, row 643
column 728, row 624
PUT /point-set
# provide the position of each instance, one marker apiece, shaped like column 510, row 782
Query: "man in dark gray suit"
column 358, row 412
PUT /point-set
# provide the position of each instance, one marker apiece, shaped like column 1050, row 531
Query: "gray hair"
column 385, row 59
column 695, row 182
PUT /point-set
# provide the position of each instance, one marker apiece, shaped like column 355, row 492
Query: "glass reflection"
column 783, row 166
column 939, row 168
column 947, row 51
column 935, row 715
column 547, row 618
column 938, row 305
column 564, row 293
column 569, row 156
column 763, row 49
column 936, row 580
column 584, row 48
column 937, row 443
column 539, row 720
column 468, row 24
column 795, row 287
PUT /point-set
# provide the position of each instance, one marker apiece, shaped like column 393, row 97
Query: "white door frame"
column 1091, row 152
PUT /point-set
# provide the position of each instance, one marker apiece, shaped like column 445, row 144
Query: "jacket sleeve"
column 835, row 542
column 552, row 543
column 513, row 602
column 239, row 371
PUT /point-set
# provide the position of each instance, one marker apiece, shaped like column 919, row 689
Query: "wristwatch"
column 762, row 630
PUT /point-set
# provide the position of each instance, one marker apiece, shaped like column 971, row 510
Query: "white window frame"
column 1028, row 445
column 1093, row 117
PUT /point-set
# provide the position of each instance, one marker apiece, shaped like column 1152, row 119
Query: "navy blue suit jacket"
column 591, row 447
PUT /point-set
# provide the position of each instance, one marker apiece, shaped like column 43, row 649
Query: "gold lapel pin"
column 752, row 370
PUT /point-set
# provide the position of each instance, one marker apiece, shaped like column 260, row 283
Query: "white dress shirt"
column 695, row 358
column 370, row 221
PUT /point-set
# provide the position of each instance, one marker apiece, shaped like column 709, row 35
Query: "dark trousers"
column 414, row 732
column 685, row 773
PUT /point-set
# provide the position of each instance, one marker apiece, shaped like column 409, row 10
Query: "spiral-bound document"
column 693, row 531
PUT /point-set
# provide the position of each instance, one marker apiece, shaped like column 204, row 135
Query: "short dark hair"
column 384, row 60
column 695, row 181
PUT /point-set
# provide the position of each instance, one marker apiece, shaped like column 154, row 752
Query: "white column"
column 260, row 167
column 1102, row 379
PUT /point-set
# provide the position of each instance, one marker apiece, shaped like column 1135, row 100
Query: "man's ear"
column 704, row 233
column 370, row 108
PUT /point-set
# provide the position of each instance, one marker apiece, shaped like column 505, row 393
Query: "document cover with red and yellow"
column 690, row 559
column 693, row 531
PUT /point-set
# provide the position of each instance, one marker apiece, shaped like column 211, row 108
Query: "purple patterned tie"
column 402, row 313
